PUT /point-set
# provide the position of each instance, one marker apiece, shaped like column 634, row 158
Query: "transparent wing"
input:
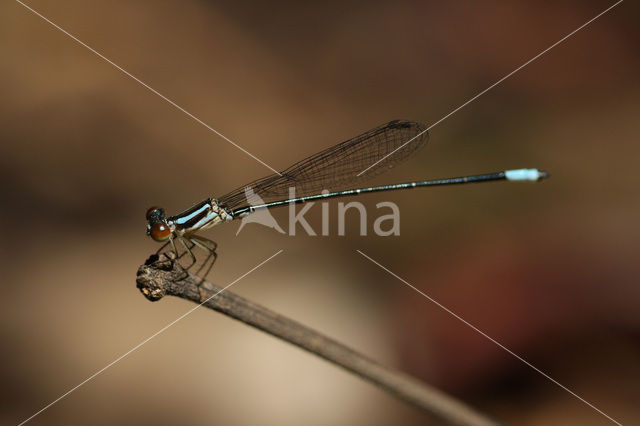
column 339, row 165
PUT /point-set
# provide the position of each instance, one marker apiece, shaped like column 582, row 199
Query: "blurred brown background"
column 549, row 270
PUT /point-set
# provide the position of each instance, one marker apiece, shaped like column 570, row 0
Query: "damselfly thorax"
column 184, row 226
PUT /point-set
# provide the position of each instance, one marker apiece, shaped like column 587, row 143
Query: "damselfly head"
column 157, row 228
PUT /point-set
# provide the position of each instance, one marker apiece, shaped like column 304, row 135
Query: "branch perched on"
column 162, row 275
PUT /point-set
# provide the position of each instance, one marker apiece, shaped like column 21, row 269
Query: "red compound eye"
column 159, row 231
column 151, row 210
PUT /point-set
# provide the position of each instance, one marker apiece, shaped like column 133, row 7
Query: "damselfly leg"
column 188, row 250
column 163, row 247
column 189, row 243
column 207, row 245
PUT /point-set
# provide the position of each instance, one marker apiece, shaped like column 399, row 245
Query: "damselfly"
column 374, row 152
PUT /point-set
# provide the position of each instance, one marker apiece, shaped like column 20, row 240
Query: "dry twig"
column 162, row 275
